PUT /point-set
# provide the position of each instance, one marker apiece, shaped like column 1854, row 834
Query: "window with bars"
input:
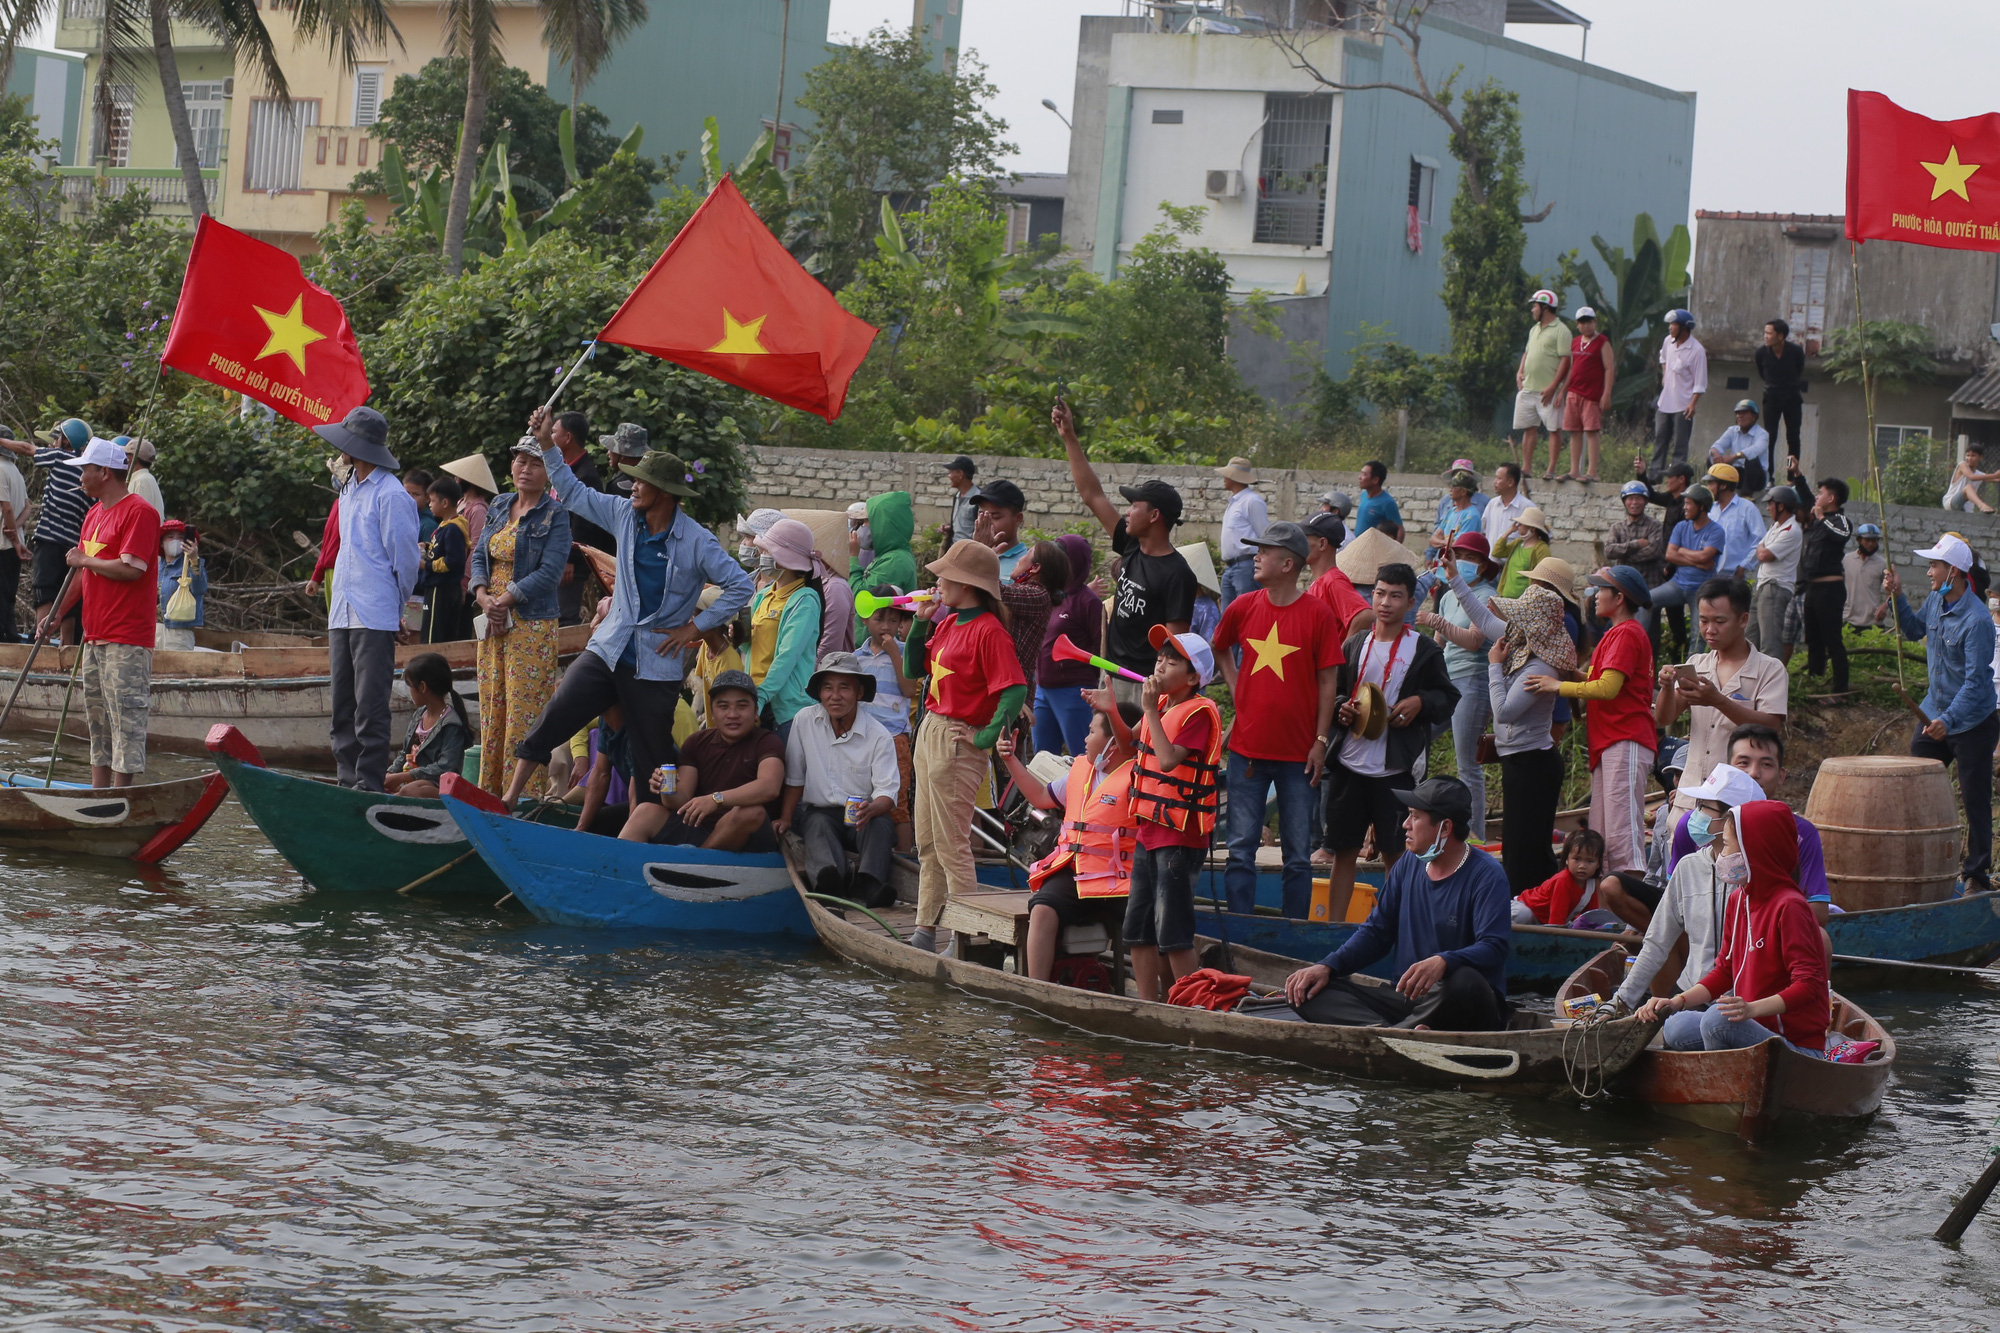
column 1806, row 306
column 276, row 141
column 1292, row 169
column 367, row 96
column 1888, row 439
column 207, row 114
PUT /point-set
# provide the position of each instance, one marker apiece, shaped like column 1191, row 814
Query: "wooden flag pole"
column 1874, row 467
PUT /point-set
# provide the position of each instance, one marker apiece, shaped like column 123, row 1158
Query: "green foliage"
column 469, row 357
column 1485, row 287
column 1651, row 282
column 885, row 122
column 19, row 133
column 1918, row 470
column 243, row 478
column 371, row 272
column 1897, row 356
column 1383, row 376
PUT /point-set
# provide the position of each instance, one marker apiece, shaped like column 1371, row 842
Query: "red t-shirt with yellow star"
column 116, row 611
column 1277, row 683
column 971, row 663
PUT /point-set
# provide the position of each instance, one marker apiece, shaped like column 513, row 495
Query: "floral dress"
column 517, row 675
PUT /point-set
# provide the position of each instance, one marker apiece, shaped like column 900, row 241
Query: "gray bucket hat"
column 362, row 436
column 628, row 441
column 842, row 664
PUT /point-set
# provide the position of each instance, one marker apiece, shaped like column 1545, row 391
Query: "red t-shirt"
column 1337, row 591
column 1277, row 687
column 1193, row 735
column 115, row 612
column 1586, row 366
column 1629, row 715
column 971, row 663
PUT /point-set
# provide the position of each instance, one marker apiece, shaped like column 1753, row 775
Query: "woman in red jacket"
column 1769, row 977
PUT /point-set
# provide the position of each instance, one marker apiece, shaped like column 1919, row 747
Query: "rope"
column 867, row 912
column 1584, row 1037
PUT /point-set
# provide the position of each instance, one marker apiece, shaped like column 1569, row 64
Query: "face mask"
column 1733, row 869
column 1468, row 570
column 171, row 547
column 1701, row 828
column 1435, row 850
column 745, row 551
column 864, row 535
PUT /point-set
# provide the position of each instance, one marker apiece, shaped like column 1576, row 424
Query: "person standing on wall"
column 1377, row 508
column 958, row 473
column 1683, row 380
column 1243, row 520
column 1825, row 583
column 1593, row 373
column 1781, row 364
column 1539, row 381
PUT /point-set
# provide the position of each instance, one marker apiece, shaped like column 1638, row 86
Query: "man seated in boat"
column 1770, row 971
column 841, row 780
column 728, row 785
column 1444, row 912
column 1092, row 859
column 1760, row 752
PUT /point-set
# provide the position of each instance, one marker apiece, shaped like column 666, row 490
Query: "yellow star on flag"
column 739, row 338
column 1950, row 175
column 938, row 672
column 290, row 334
column 1270, row 653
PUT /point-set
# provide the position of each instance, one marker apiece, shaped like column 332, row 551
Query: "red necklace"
column 1389, row 671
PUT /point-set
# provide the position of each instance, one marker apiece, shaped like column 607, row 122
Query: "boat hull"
column 1954, row 931
column 585, row 879
column 1529, row 1063
column 1538, row 960
column 142, row 823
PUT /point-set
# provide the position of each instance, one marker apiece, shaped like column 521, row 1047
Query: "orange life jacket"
column 1097, row 833
column 1184, row 798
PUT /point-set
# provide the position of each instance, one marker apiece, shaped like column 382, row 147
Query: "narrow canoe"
column 143, row 823
column 1749, row 1092
column 346, row 841
column 1954, row 931
column 569, row 878
column 1537, row 1061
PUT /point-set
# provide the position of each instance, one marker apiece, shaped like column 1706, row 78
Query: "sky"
column 1771, row 75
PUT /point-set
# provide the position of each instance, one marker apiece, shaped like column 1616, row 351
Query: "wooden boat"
column 569, row 878
column 1537, row 1060
column 347, row 841
column 271, row 687
column 1750, row 1091
column 1955, row 931
column 142, row 823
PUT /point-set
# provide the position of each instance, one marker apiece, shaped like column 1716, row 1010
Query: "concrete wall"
column 1086, row 139
column 1273, row 367
column 1834, row 434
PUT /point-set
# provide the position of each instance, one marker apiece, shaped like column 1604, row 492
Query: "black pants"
column 587, row 689
column 362, row 664
column 1973, row 750
column 1824, row 602
column 1671, row 431
column 1780, row 405
column 829, row 838
column 444, row 607
column 1462, row 1002
column 1530, row 789
column 10, row 590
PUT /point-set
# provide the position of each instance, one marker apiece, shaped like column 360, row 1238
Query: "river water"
column 227, row 1103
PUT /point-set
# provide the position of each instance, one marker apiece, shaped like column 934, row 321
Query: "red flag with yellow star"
column 250, row 321
column 1929, row 182
column 730, row 301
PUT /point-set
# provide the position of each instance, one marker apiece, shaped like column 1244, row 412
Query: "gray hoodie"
column 1693, row 903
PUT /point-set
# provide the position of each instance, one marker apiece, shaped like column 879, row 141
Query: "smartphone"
column 1685, row 674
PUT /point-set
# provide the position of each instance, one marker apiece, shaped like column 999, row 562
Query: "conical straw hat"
column 1360, row 558
column 1196, row 554
column 475, row 469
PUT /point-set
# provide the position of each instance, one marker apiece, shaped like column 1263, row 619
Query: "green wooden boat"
column 357, row 842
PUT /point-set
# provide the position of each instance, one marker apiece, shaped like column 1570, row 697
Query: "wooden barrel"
column 1889, row 827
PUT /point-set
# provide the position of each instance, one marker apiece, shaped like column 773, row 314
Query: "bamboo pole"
column 1874, row 466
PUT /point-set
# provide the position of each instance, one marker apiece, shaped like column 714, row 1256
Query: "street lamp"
column 1050, row 104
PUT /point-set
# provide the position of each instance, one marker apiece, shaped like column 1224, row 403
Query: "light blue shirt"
column 889, row 707
column 1959, row 639
column 1479, row 499
column 376, row 570
column 1010, row 558
column 1754, row 444
column 694, row 558
column 1742, row 529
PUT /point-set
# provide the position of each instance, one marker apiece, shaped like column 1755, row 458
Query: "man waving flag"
column 730, row 301
column 1929, row 182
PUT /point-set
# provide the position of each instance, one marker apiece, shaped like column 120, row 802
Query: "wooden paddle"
column 1968, row 1207
column 1856, row 960
column 41, row 637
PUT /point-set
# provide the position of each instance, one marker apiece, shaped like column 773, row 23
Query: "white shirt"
column 142, row 484
column 1246, row 517
column 1782, row 540
column 1683, row 372
column 1371, row 757
column 833, row 768
column 15, row 492
column 1498, row 517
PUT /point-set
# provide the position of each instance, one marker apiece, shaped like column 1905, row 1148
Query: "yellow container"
column 1359, row 904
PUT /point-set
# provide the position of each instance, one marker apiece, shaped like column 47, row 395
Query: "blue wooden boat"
column 586, row 879
column 1542, row 957
column 1964, row 931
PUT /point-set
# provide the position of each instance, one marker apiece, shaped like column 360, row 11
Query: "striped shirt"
column 63, row 500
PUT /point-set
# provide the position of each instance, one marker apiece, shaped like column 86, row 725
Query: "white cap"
column 1727, row 784
column 104, row 453
column 1191, row 646
column 1585, row 312
column 1949, row 549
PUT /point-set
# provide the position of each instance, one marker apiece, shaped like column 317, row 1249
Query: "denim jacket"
column 1959, row 638
column 694, row 558
column 541, row 549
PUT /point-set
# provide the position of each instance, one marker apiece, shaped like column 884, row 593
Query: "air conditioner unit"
column 1225, row 185
column 229, row 87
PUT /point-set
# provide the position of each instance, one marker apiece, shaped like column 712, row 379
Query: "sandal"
column 1590, row 476
column 1550, row 475
column 1567, row 476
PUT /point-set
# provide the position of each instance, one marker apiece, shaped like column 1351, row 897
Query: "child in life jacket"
column 1174, row 801
column 1093, row 856
column 1558, row 900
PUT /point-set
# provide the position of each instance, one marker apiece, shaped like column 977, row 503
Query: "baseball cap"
column 1001, row 492
column 1327, row 527
column 1192, row 647
column 103, row 453
column 1868, row 530
column 1634, row 488
column 963, row 464
column 1159, row 495
column 732, row 680
column 1585, row 312
column 1948, row 549
column 1447, row 798
column 1727, row 784
column 1284, row 535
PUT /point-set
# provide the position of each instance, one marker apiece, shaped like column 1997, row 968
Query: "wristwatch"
column 716, row 796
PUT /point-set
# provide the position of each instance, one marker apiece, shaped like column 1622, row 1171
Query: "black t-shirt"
column 1152, row 590
column 1785, row 371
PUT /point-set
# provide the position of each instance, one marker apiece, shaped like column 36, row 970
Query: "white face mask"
column 171, row 547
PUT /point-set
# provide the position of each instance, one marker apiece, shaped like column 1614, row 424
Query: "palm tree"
column 132, row 26
column 579, row 32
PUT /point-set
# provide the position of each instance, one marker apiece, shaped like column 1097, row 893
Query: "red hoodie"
column 1771, row 944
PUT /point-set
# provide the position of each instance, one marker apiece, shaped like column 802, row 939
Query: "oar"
column 41, row 637
column 1969, row 1206
column 1856, row 960
column 62, row 719
column 455, row 862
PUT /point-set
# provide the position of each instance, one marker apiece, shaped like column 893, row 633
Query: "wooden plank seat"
column 1001, row 918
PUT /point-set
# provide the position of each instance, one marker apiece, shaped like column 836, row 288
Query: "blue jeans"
column 1468, row 724
column 1062, row 718
column 1709, row 1030
column 1239, row 576
column 1250, row 783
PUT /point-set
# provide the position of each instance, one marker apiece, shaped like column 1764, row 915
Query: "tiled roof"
column 1982, row 390
column 1768, row 217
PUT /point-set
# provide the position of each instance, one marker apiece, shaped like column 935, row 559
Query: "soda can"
column 669, row 777
column 1579, row 1006
column 855, row 805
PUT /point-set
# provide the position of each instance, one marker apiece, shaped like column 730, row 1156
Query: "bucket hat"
column 662, row 471
column 363, row 435
column 789, row 543
column 628, row 441
column 1533, row 517
column 1238, row 470
column 842, row 664
column 1556, row 573
column 969, row 563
